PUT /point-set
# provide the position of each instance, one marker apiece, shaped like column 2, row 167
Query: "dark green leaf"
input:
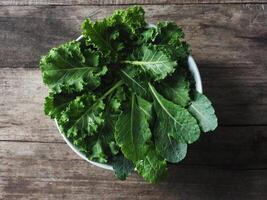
column 169, row 33
column 97, row 152
column 170, row 38
column 134, row 83
column 112, row 33
column 168, row 147
column 153, row 167
column 122, row 167
column 176, row 89
column 98, row 33
column 132, row 20
column 65, row 69
column 146, row 107
column 152, row 62
column 148, row 36
column 203, row 111
column 111, row 114
column 132, row 132
column 174, row 119
column 56, row 103
column 83, row 116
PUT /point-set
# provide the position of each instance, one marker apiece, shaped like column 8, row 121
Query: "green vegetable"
column 174, row 120
column 135, row 84
column 152, row 167
column 122, row 94
column 65, row 69
column 122, row 167
column 176, row 88
column 152, row 62
column 132, row 132
column 203, row 111
column 55, row 104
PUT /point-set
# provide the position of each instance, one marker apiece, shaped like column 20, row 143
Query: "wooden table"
column 229, row 42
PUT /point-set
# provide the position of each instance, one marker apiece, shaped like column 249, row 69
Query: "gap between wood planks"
column 121, row 3
column 64, row 153
column 34, row 141
column 231, row 148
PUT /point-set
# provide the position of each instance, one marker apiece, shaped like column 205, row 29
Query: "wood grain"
column 221, row 35
column 22, row 94
column 53, row 171
column 23, row 120
column 121, row 2
column 229, row 44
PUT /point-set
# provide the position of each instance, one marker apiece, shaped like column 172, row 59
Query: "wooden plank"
column 52, row 171
column 21, row 105
column 121, row 2
column 22, row 119
column 44, row 167
column 22, row 92
column 230, row 147
column 217, row 33
column 235, row 147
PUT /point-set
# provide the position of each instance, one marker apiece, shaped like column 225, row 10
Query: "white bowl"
column 196, row 75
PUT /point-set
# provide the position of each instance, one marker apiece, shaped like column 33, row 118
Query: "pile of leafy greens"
column 123, row 94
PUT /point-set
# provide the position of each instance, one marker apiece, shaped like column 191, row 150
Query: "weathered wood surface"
column 233, row 30
column 229, row 45
column 22, row 119
column 22, row 91
column 120, row 2
column 53, row 171
column 228, row 42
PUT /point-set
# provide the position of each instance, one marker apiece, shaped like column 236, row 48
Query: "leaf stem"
column 118, row 84
column 136, row 62
column 126, row 62
column 154, row 93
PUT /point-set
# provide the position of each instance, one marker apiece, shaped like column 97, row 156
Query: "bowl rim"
column 192, row 66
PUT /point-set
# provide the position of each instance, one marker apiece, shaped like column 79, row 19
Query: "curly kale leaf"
column 65, row 69
column 56, row 103
column 83, row 116
column 114, row 33
column 151, row 62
